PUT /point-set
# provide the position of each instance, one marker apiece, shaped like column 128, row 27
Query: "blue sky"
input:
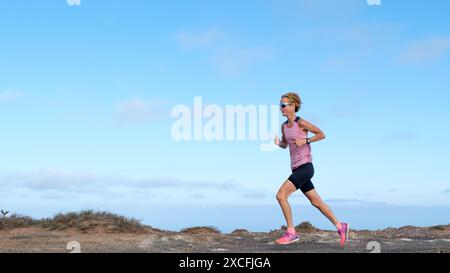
column 86, row 94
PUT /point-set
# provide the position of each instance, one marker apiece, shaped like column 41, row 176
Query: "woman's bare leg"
column 317, row 202
column 282, row 196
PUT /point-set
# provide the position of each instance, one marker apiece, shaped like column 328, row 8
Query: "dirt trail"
column 406, row 239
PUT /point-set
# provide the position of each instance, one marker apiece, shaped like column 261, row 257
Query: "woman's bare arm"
column 283, row 143
column 318, row 134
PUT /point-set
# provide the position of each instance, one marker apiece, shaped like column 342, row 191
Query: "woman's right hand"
column 276, row 140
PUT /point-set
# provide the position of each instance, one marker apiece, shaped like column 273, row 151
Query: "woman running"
column 295, row 135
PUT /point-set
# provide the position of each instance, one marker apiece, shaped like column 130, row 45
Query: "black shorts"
column 301, row 177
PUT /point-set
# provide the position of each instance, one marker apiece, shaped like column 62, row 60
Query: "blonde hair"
column 295, row 99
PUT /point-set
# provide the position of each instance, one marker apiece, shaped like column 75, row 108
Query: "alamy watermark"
column 369, row 2
column 374, row 247
column 73, row 2
column 229, row 123
column 74, row 247
column 374, row 2
column 78, row 2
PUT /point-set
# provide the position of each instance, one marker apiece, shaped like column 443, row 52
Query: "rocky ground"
column 93, row 233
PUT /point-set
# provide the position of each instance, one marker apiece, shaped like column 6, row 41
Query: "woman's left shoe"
column 287, row 238
column 343, row 233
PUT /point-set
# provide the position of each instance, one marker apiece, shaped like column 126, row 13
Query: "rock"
column 240, row 232
column 306, row 227
column 201, row 230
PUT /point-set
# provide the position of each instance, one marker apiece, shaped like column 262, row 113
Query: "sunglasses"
column 284, row 104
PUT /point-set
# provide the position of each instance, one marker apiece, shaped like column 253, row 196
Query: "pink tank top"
column 299, row 155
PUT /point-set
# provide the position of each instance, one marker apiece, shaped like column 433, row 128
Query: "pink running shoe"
column 343, row 233
column 287, row 238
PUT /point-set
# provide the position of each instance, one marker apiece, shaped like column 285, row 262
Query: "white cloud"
column 139, row 110
column 255, row 194
column 357, row 202
column 338, row 64
column 425, row 50
column 402, row 137
column 57, row 181
column 75, row 181
column 320, row 9
column 47, row 186
column 345, row 107
column 234, row 61
column 229, row 58
column 10, row 95
column 346, row 48
column 200, row 39
column 81, row 186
